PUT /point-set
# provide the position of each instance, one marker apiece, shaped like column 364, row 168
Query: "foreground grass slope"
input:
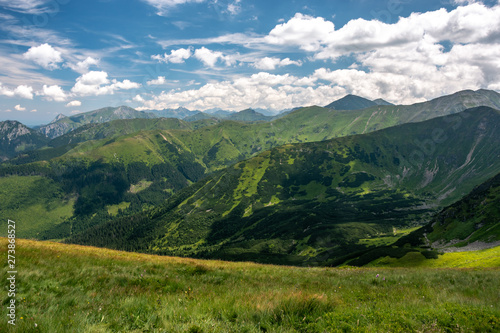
column 68, row 288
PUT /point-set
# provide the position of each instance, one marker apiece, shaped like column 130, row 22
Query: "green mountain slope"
column 96, row 131
column 62, row 125
column 474, row 218
column 39, row 202
column 315, row 203
column 117, row 128
column 470, row 224
column 16, row 138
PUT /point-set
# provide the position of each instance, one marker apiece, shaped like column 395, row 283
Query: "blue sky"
column 71, row 56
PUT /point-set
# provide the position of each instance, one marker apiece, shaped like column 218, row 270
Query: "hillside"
column 314, row 203
column 62, row 125
column 115, row 128
column 68, row 288
column 16, row 138
column 470, row 224
column 475, row 218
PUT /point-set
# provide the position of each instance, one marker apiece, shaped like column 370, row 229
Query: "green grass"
column 140, row 186
column 33, row 213
column 466, row 259
column 113, row 209
column 387, row 239
column 68, row 288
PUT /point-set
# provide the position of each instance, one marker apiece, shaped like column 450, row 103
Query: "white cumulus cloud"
column 159, row 81
column 176, row 56
column 73, row 103
column 19, row 108
column 96, row 83
column 44, row 55
column 84, row 65
column 261, row 90
column 268, row 63
column 53, row 93
column 22, row 91
column 210, row 58
column 304, row 31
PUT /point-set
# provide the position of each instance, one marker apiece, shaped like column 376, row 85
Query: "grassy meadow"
column 69, row 288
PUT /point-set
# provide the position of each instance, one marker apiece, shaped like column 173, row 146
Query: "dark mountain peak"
column 249, row 111
column 248, row 115
column 351, row 102
column 380, row 101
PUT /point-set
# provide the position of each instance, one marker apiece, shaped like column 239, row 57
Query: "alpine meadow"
column 250, row 166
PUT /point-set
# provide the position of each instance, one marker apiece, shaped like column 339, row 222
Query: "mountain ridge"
column 62, row 125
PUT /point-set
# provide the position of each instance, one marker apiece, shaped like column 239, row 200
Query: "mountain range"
column 315, row 202
column 306, row 187
column 62, row 124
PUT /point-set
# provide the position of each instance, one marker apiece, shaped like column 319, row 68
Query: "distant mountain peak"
column 380, row 101
column 248, row 115
column 249, row 110
column 58, row 117
column 351, row 102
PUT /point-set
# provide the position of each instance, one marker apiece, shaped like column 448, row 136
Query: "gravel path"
column 476, row 246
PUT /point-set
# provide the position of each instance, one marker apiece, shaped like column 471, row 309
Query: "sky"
column 72, row 56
